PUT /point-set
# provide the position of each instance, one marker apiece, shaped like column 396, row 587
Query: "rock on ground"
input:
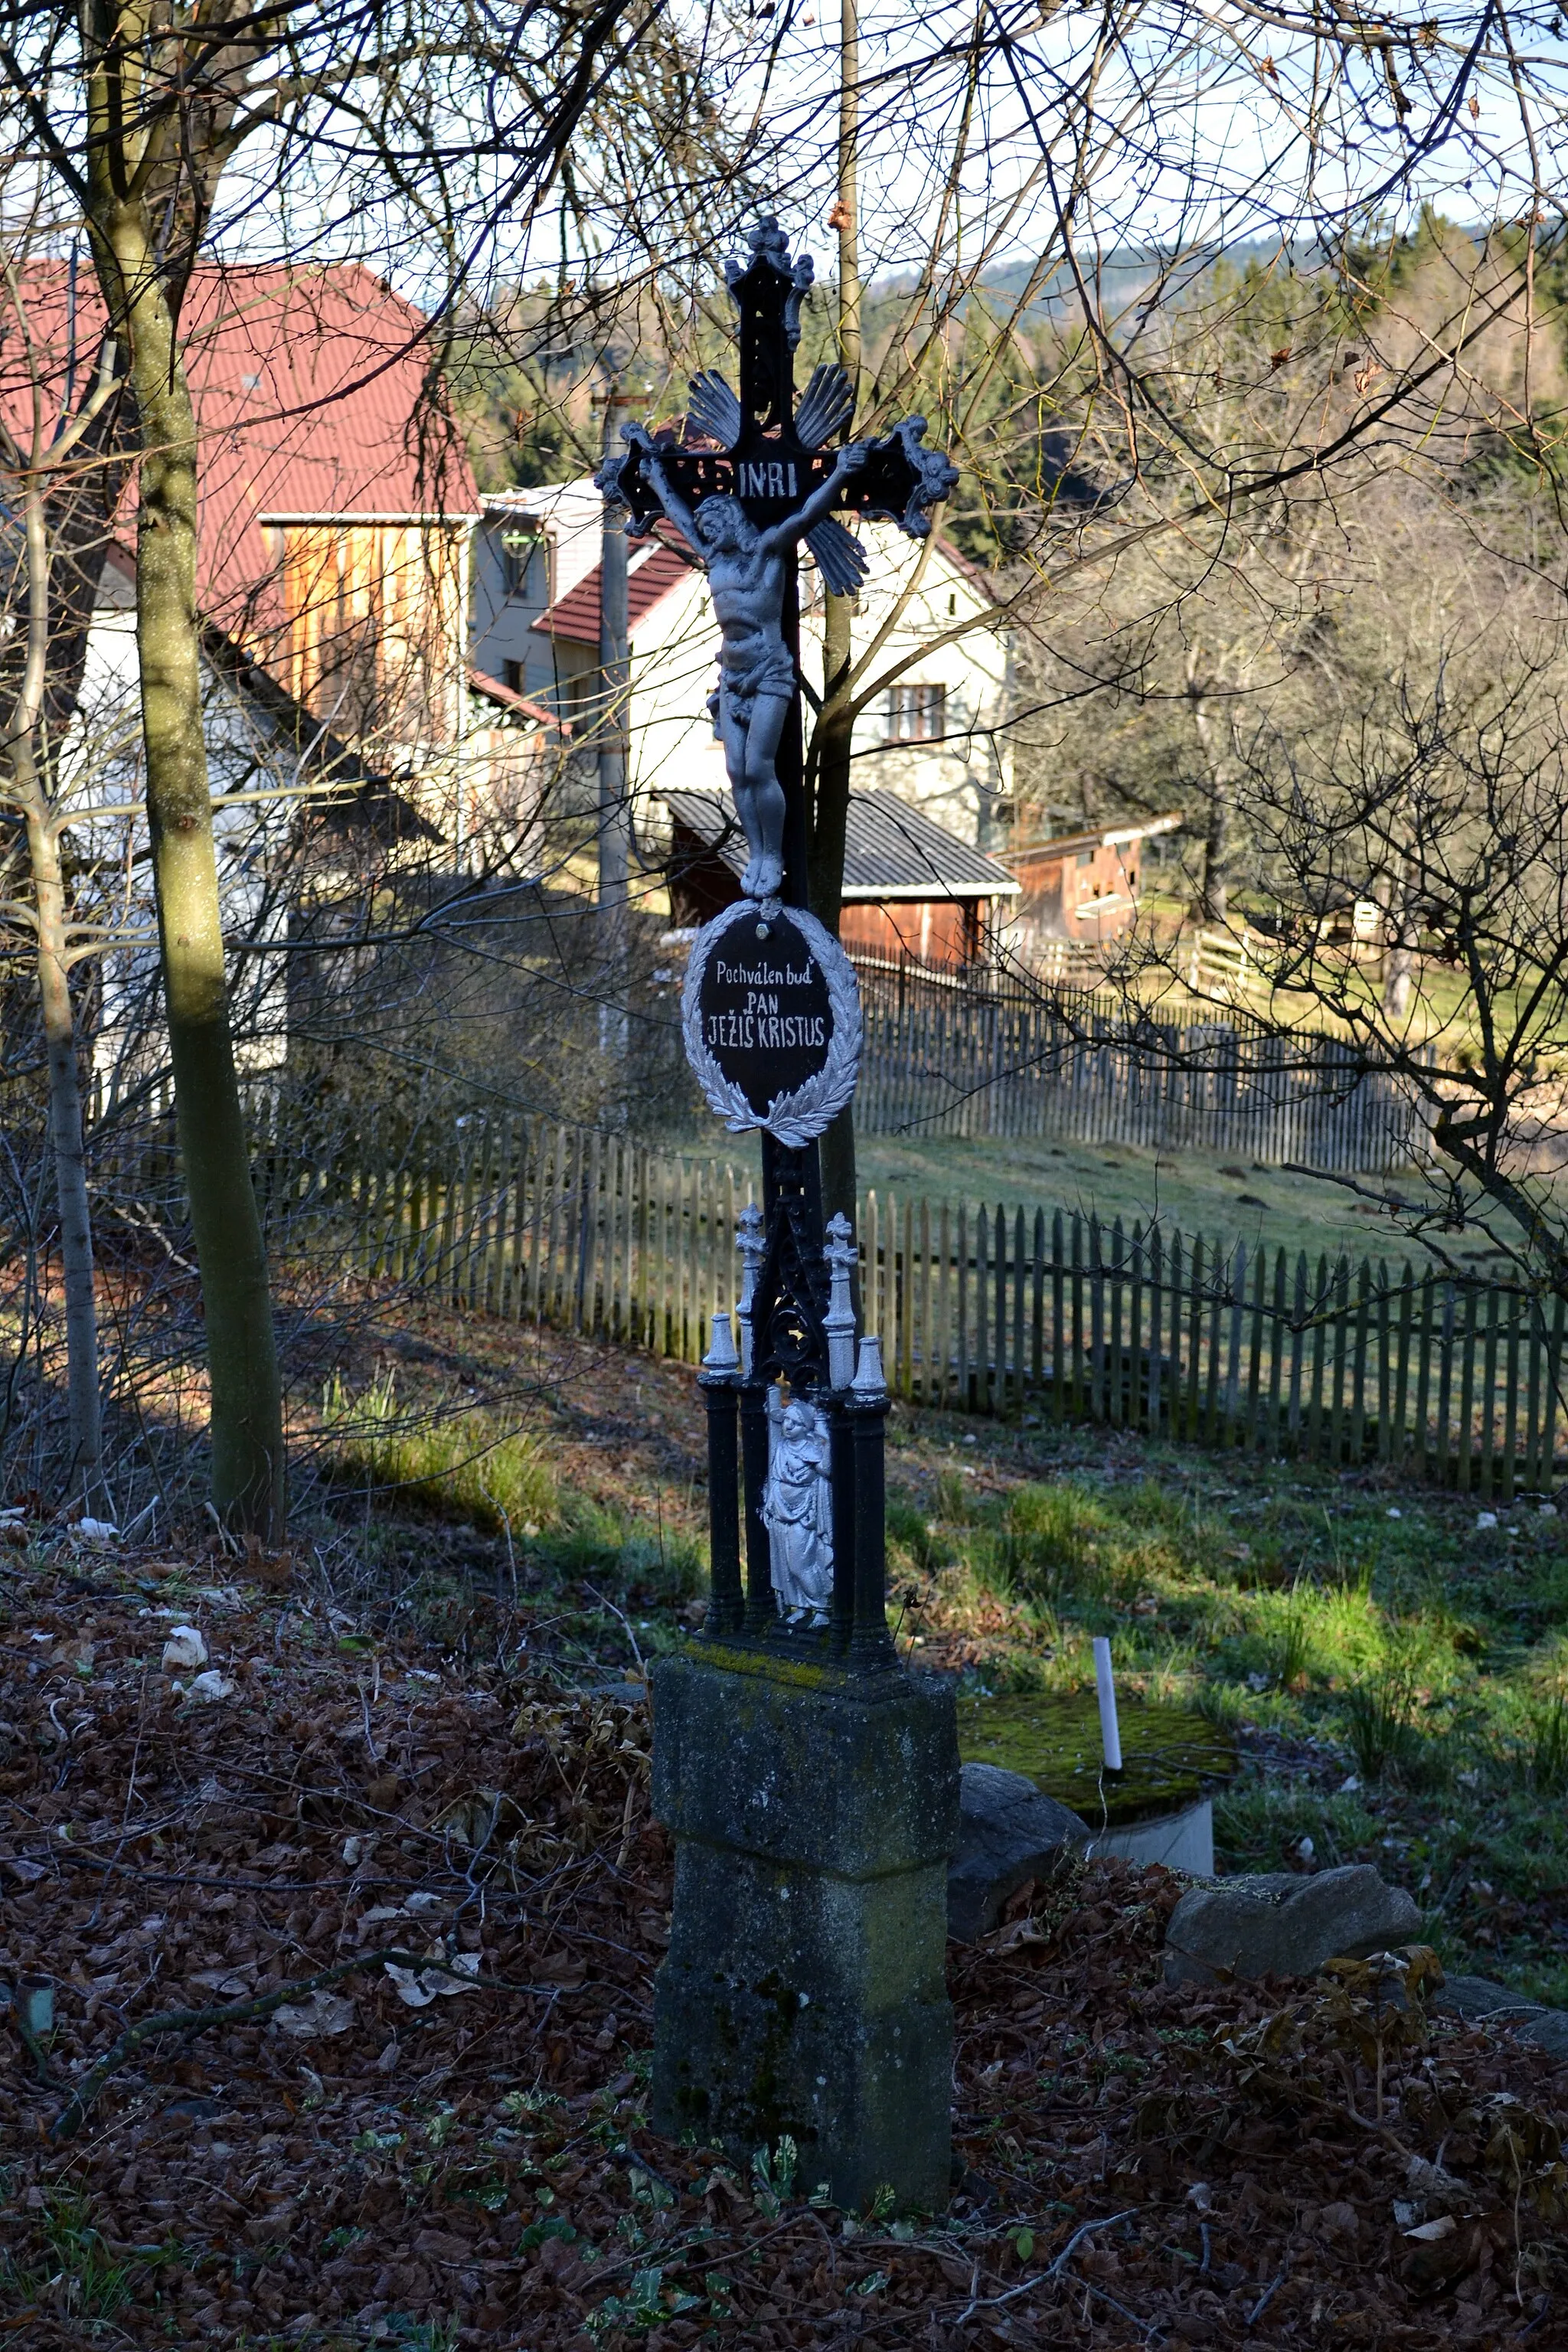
column 1009, row 1831
column 1280, row 1925
column 1480, row 2002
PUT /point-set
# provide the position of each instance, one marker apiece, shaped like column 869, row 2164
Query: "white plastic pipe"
column 1104, row 1683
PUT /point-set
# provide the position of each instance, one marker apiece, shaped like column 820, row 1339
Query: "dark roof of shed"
column 891, row 850
column 357, row 794
column 508, row 699
column 1115, row 833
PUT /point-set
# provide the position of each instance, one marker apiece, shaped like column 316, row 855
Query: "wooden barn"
column 911, row 887
column 1084, row 885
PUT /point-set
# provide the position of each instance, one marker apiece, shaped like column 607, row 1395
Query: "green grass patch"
column 67, row 2268
column 1397, row 1678
column 463, row 1462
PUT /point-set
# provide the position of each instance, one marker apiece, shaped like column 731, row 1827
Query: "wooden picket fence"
column 979, row 1309
column 1203, row 1340
column 1000, row 1054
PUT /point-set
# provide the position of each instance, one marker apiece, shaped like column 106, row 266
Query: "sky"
column 1170, row 125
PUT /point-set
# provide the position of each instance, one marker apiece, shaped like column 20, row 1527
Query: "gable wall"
column 370, row 637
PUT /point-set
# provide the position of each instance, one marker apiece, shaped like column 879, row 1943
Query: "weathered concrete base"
column 804, row 1992
column 1183, row 1841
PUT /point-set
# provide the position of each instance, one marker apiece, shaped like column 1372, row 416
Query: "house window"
column 525, row 566
column 1086, row 857
column 917, row 714
column 512, row 676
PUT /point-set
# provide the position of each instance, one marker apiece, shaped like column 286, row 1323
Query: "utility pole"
column 614, row 747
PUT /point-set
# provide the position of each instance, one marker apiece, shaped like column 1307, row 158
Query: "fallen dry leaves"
column 451, row 2148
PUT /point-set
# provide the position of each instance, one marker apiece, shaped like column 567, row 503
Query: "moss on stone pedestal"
column 1169, row 1755
column 804, row 1992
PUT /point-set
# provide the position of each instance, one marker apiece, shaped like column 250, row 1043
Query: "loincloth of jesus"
column 744, row 679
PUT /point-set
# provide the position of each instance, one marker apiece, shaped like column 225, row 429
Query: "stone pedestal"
column 804, row 1991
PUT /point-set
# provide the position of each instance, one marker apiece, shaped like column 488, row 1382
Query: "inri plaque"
column 772, row 1020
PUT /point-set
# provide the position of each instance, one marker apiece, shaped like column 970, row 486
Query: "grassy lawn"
column 1197, row 1192
column 1396, row 1676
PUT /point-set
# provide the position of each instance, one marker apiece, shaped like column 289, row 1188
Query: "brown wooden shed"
column 911, row 887
column 1084, row 885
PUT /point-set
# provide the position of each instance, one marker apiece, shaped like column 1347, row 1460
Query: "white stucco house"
column 270, row 763
column 935, row 734
column 337, row 510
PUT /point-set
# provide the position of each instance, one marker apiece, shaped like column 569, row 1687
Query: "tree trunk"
column 70, row 1162
column 1215, row 905
column 25, row 694
column 247, row 1457
column 1399, row 941
column 1398, row 981
column 615, row 771
column 1213, row 896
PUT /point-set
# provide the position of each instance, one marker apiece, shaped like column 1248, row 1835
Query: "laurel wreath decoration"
column 796, row 1116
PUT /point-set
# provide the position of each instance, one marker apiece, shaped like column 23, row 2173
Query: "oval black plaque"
column 772, row 1020
column 766, row 1018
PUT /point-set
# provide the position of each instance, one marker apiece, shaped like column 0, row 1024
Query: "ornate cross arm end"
column 899, row 466
column 623, row 482
column 804, row 274
column 609, row 483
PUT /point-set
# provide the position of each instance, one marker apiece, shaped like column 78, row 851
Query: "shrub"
column 1538, row 1753
column 1381, row 1712
column 1291, row 1654
column 919, row 1536
column 953, row 1500
column 1548, row 1745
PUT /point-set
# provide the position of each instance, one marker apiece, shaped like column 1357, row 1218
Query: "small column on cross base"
column 752, row 1241
column 754, row 1612
column 838, row 1323
column 870, row 1644
column 838, row 1330
column 720, row 1380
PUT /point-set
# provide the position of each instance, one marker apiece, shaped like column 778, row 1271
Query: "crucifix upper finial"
column 768, row 291
column 747, row 480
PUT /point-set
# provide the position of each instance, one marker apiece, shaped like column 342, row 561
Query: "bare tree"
column 137, row 118
column 1451, row 819
column 63, row 484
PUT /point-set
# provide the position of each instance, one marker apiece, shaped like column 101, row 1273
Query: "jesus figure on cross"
column 748, row 580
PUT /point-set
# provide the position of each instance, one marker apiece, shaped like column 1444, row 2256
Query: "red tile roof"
column 311, row 391
column 576, row 615
column 495, row 691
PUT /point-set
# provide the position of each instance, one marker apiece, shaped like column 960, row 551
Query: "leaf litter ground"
column 453, row 2148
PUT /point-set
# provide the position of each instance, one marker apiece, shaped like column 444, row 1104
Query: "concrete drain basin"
column 1157, row 1809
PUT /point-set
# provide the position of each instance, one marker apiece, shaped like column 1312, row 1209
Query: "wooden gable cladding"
column 372, row 625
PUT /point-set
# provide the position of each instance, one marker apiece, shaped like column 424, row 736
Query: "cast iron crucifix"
column 746, row 481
